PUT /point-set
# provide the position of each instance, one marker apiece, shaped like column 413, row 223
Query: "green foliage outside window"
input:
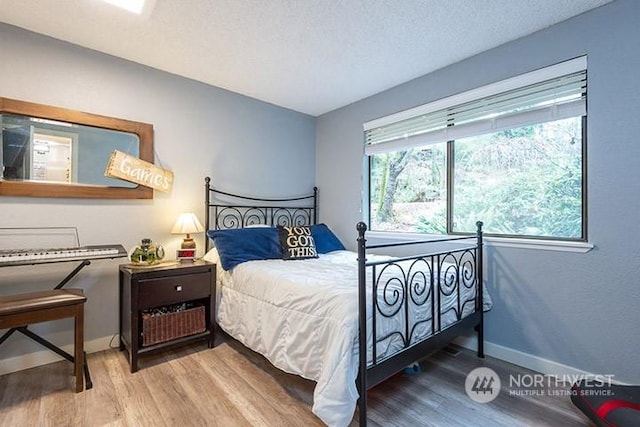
column 522, row 182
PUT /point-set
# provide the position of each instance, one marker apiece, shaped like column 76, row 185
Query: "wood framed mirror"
column 50, row 151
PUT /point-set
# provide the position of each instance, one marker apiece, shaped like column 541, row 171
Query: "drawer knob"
column 179, row 288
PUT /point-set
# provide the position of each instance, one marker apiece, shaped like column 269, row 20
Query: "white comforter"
column 303, row 317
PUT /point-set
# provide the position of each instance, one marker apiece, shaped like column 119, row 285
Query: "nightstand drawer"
column 173, row 289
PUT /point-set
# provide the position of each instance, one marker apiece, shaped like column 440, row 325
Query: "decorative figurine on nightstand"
column 147, row 253
column 187, row 223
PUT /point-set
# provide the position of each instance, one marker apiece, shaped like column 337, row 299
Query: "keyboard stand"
column 71, row 275
column 37, row 338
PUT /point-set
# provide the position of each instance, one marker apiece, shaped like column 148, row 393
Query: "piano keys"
column 14, row 257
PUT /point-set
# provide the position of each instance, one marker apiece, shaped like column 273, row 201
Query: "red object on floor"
column 607, row 405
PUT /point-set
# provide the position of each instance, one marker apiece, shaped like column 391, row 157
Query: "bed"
column 316, row 315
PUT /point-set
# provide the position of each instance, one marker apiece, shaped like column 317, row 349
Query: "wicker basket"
column 166, row 327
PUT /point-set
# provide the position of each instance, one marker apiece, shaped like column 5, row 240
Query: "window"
column 509, row 154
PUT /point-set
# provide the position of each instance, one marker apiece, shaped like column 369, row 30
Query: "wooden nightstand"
column 144, row 288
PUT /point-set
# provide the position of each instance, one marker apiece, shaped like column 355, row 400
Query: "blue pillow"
column 325, row 240
column 236, row 246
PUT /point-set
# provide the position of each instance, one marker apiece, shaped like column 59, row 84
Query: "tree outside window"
column 526, row 181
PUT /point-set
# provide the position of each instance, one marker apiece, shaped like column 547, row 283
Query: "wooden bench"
column 19, row 311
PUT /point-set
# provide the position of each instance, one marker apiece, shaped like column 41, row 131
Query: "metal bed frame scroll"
column 420, row 283
column 253, row 210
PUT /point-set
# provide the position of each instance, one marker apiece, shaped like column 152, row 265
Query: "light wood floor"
column 231, row 386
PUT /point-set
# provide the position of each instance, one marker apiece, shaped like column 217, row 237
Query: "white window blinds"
column 549, row 94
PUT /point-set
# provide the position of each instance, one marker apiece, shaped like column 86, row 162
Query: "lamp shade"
column 187, row 223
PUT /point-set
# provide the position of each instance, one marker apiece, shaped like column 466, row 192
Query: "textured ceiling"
column 311, row 56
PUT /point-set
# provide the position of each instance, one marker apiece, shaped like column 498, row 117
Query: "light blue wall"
column 243, row 144
column 581, row 310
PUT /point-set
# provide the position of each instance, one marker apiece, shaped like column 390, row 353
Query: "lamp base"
column 186, row 255
column 188, row 243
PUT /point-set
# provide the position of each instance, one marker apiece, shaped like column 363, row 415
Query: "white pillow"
column 212, row 256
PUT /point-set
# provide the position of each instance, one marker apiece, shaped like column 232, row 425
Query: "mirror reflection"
column 52, row 151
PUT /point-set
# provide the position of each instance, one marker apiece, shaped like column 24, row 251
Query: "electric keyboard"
column 41, row 256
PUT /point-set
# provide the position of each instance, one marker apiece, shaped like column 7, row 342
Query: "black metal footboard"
column 411, row 306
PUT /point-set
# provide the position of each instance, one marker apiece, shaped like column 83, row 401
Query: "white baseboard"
column 529, row 361
column 45, row 356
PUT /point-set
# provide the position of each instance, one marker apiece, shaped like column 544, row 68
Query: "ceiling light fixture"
column 134, row 6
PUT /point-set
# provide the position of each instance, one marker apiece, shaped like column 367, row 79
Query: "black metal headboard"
column 226, row 210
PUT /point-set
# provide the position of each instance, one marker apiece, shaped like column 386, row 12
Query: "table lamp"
column 187, row 223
